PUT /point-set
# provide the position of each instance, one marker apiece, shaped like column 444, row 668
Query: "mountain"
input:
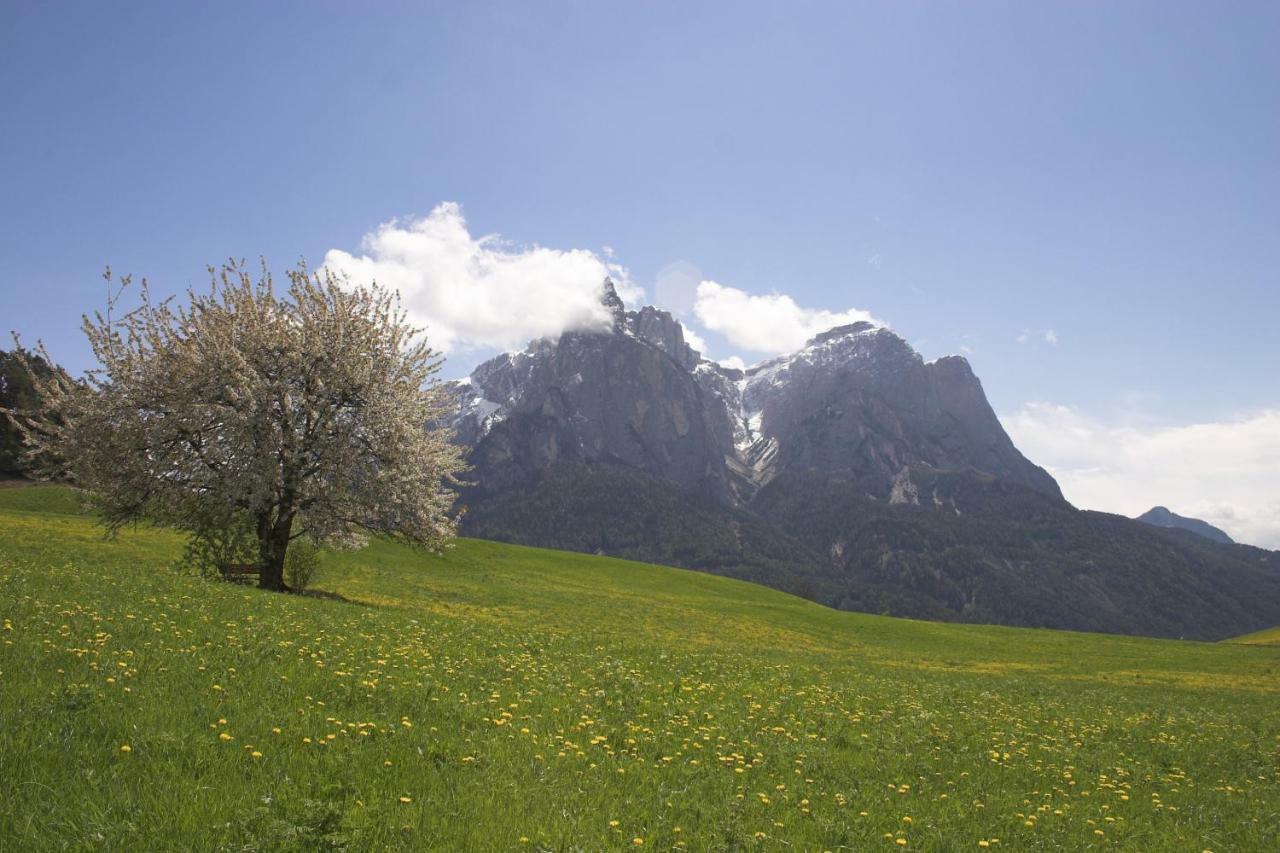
column 1158, row 516
column 851, row 472
column 855, row 402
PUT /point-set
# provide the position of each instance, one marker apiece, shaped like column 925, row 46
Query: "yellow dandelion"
column 406, row 799
column 225, row 737
column 256, row 754
column 126, row 748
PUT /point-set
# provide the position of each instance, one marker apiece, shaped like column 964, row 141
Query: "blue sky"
column 973, row 174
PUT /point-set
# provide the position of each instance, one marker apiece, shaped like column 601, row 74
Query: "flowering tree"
column 307, row 412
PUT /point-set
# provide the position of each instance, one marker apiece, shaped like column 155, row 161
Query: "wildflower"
column 224, row 737
column 126, row 748
column 256, row 754
column 406, row 799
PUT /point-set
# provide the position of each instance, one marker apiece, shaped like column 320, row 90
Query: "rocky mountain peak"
column 841, row 332
column 664, row 331
column 856, row 403
column 609, row 299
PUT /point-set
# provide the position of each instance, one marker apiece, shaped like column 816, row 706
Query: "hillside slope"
column 1266, row 637
column 501, row 697
column 1159, row 516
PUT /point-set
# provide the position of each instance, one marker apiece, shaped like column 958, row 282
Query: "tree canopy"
column 307, row 412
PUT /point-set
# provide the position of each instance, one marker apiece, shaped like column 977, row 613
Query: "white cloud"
column 1226, row 472
column 733, row 362
column 767, row 324
column 693, row 339
column 483, row 291
column 1051, row 337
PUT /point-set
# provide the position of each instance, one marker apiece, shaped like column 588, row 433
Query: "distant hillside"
column 1159, row 516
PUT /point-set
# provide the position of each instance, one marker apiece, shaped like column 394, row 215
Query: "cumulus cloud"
column 771, row 324
column 1225, row 472
column 733, row 362
column 483, row 291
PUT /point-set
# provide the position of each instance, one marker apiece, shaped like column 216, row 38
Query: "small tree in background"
column 17, row 392
column 301, row 413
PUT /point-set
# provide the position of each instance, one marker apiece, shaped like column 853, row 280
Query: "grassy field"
column 1269, row 637
column 510, row 698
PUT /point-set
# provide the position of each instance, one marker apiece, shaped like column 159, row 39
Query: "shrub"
column 300, row 564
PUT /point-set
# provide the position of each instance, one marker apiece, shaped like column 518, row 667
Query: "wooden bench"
column 236, row 571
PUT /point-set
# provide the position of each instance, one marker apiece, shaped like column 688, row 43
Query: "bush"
column 300, row 564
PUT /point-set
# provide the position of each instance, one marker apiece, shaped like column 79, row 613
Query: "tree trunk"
column 273, row 543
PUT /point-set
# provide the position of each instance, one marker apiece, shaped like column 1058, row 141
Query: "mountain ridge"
column 628, row 442
column 1159, row 516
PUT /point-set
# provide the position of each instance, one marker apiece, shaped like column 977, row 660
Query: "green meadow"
column 1269, row 637
column 506, row 698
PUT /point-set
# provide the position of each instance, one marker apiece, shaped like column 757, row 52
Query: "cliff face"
column 856, row 403
column 626, row 396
